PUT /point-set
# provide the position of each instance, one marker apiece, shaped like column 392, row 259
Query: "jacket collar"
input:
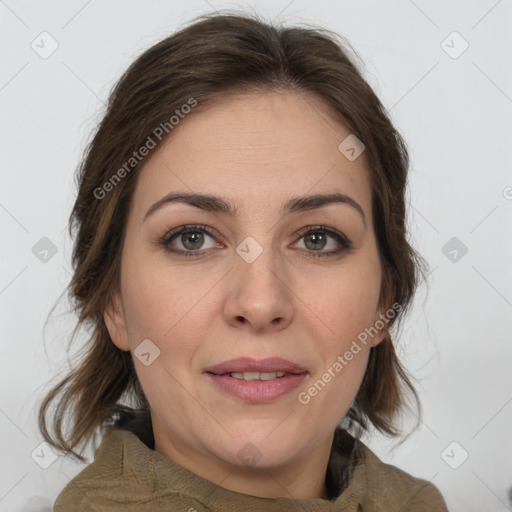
column 158, row 474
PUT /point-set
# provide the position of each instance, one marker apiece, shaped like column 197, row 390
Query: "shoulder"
column 390, row 488
column 85, row 492
column 120, row 478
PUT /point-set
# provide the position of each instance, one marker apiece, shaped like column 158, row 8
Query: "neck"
column 303, row 478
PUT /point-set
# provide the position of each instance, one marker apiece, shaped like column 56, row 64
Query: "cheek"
column 171, row 311
column 348, row 304
column 155, row 300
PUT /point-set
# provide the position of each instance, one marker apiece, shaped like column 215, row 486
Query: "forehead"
column 259, row 146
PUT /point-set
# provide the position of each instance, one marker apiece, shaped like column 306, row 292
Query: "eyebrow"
column 219, row 205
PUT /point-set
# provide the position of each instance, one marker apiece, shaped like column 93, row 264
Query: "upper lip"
column 246, row 364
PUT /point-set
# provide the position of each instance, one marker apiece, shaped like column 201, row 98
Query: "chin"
column 262, row 446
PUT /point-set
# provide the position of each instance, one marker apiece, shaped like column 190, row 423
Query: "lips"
column 246, row 364
column 257, row 381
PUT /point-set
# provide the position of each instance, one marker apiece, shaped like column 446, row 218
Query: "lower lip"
column 258, row 390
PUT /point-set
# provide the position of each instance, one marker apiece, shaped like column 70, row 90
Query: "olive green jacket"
column 127, row 475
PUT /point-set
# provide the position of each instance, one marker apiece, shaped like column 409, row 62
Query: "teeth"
column 249, row 376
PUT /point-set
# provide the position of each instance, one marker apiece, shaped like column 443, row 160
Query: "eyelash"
column 165, row 241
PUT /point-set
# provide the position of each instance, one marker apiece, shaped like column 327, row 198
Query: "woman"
column 240, row 260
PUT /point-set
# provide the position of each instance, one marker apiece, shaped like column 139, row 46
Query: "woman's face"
column 252, row 293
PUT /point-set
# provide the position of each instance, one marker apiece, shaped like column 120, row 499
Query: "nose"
column 259, row 296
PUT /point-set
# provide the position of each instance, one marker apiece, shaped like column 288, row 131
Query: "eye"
column 188, row 240
column 317, row 238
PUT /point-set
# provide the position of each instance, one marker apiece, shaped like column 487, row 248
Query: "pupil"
column 195, row 237
column 317, row 238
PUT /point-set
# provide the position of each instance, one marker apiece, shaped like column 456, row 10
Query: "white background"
column 455, row 114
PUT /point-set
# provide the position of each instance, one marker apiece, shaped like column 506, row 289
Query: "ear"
column 381, row 335
column 381, row 323
column 116, row 324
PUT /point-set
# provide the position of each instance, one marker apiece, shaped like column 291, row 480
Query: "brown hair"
column 215, row 56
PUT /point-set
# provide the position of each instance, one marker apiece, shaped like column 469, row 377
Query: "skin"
column 256, row 150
